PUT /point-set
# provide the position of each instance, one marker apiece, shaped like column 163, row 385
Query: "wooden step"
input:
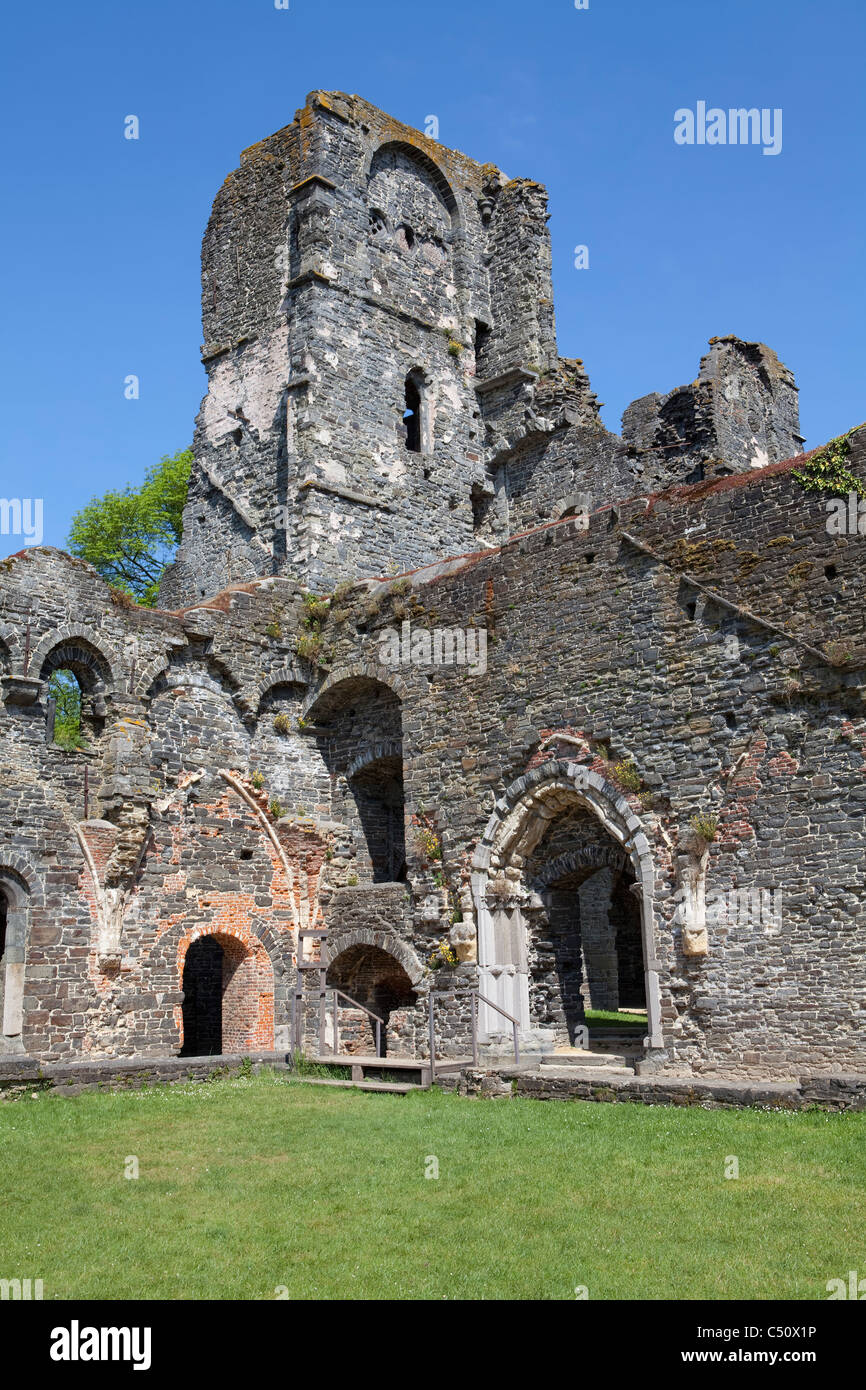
column 397, row 1088
column 352, row 1059
column 360, row 1065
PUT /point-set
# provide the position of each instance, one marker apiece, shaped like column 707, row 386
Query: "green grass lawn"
column 610, row 1018
column 248, row 1185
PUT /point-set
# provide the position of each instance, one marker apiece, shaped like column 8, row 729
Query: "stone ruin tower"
column 648, row 796
column 384, row 387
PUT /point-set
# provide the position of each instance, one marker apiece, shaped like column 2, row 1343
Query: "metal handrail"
column 499, row 1010
column 477, row 997
column 515, row 1024
column 355, row 1005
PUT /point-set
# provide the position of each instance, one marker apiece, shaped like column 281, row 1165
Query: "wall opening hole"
column 64, row 695
column 412, row 415
column 482, row 338
column 378, row 221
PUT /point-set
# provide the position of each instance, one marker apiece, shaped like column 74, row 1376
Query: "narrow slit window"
column 412, row 415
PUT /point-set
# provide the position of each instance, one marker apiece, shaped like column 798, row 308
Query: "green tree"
column 130, row 536
column 66, row 693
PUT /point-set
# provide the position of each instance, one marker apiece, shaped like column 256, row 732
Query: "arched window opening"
column 65, row 710
column 77, row 680
column 480, row 505
column 4, row 914
column 482, row 339
column 417, row 417
column 378, row 221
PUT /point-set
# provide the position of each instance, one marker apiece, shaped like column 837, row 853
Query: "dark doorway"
column 625, row 918
column 203, row 999
column 378, row 793
column 4, row 910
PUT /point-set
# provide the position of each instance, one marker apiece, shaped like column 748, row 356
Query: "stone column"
column 600, row 988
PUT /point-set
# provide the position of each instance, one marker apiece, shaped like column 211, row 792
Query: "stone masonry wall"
column 672, row 685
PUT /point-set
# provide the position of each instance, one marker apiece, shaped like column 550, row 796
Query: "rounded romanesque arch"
column 400, row 154
column 335, row 944
column 180, row 667
column 82, row 650
column 589, row 856
column 516, row 827
column 368, row 757
column 226, row 978
column 380, row 973
column 18, row 893
column 251, row 697
column 344, row 675
column 574, row 504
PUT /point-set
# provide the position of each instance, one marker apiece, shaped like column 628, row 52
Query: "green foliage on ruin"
column 310, row 644
column 827, row 470
column 65, row 691
column 627, row 775
column 131, row 534
column 705, row 827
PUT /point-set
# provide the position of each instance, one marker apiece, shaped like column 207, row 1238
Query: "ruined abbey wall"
column 654, row 651
column 644, row 785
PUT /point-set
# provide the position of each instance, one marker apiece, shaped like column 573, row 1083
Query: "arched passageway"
column 359, row 722
column 376, row 980
column 14, row 907
column 563, row 893
column 228, row 997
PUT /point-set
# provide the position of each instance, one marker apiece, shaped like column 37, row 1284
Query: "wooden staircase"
column 423, row 1068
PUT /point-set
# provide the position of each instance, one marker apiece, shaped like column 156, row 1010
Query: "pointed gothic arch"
column 517, row 825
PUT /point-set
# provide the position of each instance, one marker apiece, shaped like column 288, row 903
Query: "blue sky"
column 101, row 235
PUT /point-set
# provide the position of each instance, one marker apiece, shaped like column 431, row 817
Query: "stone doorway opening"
column 228, row 997
column 563, row 895
column 585, row 949
column 376, row 980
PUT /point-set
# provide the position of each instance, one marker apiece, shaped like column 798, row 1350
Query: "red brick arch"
column 247, row 987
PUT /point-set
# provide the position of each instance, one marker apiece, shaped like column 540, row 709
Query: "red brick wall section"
column 248, row 988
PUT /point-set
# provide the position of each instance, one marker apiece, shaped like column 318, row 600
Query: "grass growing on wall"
column 247, row 1185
